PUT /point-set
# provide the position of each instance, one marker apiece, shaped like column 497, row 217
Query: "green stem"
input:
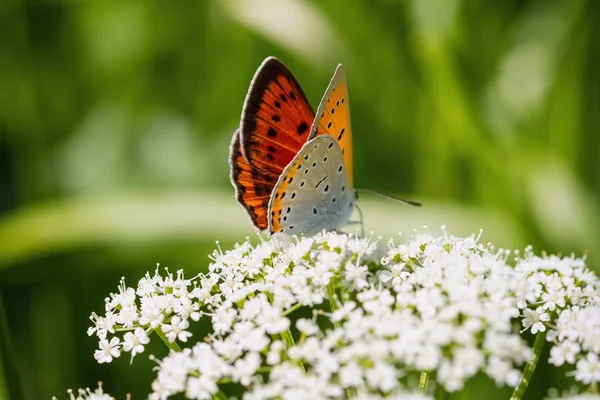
column 538, row 346
column 220, row 395
column 423, row 381
column 331, row 293
column 288, row 339
column 291, row 309
column 173, row 346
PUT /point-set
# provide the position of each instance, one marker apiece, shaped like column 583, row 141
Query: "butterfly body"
column 292, row 169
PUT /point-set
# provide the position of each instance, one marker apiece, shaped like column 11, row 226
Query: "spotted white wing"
column 313, row 192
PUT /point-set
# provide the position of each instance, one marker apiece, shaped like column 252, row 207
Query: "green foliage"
column 116, row 117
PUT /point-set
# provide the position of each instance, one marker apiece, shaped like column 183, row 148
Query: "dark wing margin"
column 253, row 194
column 276, row 117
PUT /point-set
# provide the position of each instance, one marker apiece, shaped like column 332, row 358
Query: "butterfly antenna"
column 389, row 197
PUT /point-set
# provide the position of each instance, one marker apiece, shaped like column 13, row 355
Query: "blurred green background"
column 116, row 117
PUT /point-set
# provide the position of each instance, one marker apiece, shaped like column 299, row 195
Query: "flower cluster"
column 161, row 304
column 457, row 304
column 88, row 394
column 565, row 303
column 337, row 316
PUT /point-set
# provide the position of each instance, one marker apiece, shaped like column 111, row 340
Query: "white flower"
column 307, row 326
column 272, row 320
column 87, row 394
column 588, row 369
column 245, row 368
column 382, row 376
column 134, row 342
column 176, row 329
column 356, row 275
column 152, row 312
column 102, row 325
column 274, row 354
column 564, row 352
column 535, row 319
column 202, row 387
column 396, row 273
column 108, row 350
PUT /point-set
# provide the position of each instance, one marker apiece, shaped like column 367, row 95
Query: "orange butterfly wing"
column 333, row 117
column 253, row 185
column 276, row 118
column 275, row 123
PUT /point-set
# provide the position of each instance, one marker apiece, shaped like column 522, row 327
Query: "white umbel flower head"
column 335, row 315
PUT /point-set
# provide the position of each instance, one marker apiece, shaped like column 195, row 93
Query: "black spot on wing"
column 302, row 127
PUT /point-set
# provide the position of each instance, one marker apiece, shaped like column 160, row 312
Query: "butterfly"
column 292, row 168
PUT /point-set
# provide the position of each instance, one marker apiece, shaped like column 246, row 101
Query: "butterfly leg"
column 360, row 221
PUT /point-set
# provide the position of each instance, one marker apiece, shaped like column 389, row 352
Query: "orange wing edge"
column 270, row 68
column 338, row 81
column 338, row 76
column 239, row 167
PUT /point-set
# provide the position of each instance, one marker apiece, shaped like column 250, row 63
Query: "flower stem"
column 291, row 309
column 331, row 292
column 171, row 345
column 423, row 381
column 288, row 339
column 538, row 346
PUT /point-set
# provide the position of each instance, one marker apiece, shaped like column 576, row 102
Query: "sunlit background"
column 116, row 118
